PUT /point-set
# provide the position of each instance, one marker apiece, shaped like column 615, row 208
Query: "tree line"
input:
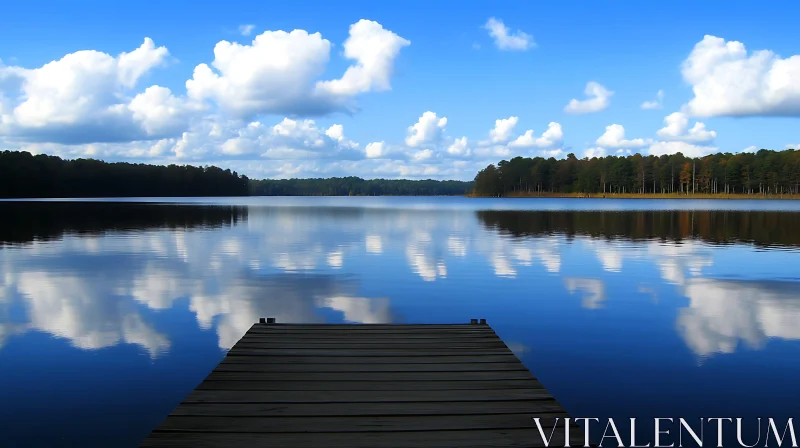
column 356, row 186
column 765, row 172
column 23, row 175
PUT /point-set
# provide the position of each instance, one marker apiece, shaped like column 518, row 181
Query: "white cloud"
column 289, row 139
column 551, row 137
column 375, row 150
column 246, row 30
column 85, row 97
column 595, row 152
column 656, row 104
column 752, row 148
column 335, row 132
column 790, row 146
column 427, row 131
column 423, row 154
column 677, row 129
column 599, row 99
column 277, row 73
column 503, row 129
column 504, row 39
column 459, row 147
column 687, row 149
column 726, row 81
column 614, row 138
column 374, row 50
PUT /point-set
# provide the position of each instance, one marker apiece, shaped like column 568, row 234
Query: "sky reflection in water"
column 111, row 313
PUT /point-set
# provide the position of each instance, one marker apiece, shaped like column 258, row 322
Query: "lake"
column 111, row 311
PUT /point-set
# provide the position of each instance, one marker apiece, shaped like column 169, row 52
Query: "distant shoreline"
column 730, row 196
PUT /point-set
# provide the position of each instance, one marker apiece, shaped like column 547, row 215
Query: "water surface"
column 111, row 311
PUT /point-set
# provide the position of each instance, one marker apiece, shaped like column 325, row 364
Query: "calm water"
column 110, row 313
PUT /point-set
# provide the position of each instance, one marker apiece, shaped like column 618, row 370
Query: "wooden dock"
column 366, row 385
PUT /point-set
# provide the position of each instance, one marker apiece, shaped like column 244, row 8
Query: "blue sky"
column 76, row 80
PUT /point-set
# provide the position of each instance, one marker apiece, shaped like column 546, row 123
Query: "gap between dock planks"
column 366, row 385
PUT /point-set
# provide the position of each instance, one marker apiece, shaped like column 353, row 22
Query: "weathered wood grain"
column 492, row 438
column 493, row 375
column 233, row 358
column 533, row 407
column 421, row 386
column 534, row 392
column 371, row 423
column 226, row 366
column 385, row 346
column 366, row 385
column 327, row 352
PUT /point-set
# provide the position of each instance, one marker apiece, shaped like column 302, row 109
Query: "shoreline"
column 721, row 196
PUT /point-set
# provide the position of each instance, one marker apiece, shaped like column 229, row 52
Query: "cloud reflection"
column 724, row 313
column 301, row 264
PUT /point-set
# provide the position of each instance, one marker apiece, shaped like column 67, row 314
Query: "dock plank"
column 369, row 367
column 356, row 385
column 492, row 375
column 368, row 408
column 365, row 352
column 493, row 438
column 346, row 396
column 366, row 385
column 338, row 424
column 233, row 358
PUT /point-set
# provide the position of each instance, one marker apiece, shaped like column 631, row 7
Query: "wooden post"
column 270, row 320
column 261, row 320
column 473, row 321
column 483, row 321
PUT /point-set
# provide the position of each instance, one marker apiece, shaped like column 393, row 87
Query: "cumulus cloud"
column 246, row 30
column 277, row 73
column 656, row 104
column 459, row 147
column 503, row 143
column 427, row 131
column 505, row 39
column 677, row 137
column 503, row 129
column 375, row 150
column 551, row 137
column 614, row 137
column 727, row 81
column 677, row 129
column 599, row 99
column 420, row 155
column 687, row 149
column 595, row 152
column 374, row 50
column 290, row 139
column 86, row 97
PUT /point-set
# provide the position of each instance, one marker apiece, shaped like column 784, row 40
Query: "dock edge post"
column 473, row 321
column 483, row 321
column 270, row 320
column 261, row 320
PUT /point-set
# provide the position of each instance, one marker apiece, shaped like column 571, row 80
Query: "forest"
column 23, row 175
column 765, row 172
column 355, row 186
